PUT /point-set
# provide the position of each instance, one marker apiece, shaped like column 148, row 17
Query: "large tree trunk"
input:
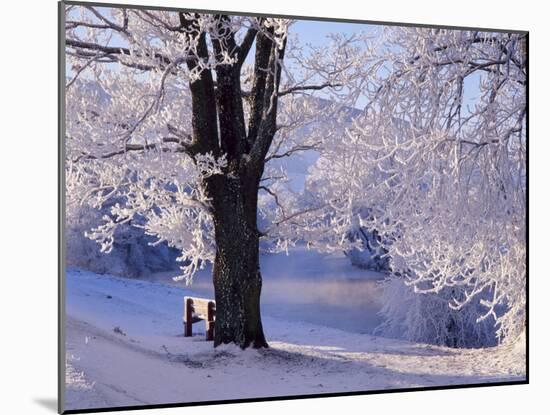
column 219, row 128
column 236, row 275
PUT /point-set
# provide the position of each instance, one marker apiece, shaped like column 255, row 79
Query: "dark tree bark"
column 236, row 274
column 219, row 126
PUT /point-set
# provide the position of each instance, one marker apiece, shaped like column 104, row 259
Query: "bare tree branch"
column 308, row 88
column 246, row 45
column 275, row 197
column 293, row 150
column 137, row 147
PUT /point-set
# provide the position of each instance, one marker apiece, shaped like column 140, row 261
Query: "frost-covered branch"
column 436, row 165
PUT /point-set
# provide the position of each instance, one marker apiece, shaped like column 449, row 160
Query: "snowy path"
column 149, row 362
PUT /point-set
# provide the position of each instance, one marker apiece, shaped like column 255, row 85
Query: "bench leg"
column 209, row 331
column 210, row 322
column 188, row 318
column 187, row 329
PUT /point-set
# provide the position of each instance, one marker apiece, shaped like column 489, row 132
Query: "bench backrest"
column 200, row 306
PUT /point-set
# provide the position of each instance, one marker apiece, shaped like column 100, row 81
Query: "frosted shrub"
column 371, row 254
column 428, row 318
column 132, row 254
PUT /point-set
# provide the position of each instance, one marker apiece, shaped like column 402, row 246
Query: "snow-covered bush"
column 132, row 254
column 371, row 255
column 427, row 317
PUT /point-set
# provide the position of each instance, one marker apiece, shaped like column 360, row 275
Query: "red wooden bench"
column 198, row 309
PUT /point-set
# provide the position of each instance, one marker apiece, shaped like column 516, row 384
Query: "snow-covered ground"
column 125, row 347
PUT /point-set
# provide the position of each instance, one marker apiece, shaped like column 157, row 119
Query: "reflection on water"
column 310, row 287
column 350, row 305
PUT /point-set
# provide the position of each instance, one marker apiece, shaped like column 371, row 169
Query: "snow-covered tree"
column 173, row 125
column 439, row 159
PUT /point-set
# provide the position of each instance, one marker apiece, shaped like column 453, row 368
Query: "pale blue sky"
column 314, row 32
